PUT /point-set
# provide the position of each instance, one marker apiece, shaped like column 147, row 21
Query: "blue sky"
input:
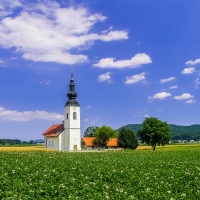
column 131, row 59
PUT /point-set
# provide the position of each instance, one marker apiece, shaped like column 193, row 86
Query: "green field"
column 143, row 174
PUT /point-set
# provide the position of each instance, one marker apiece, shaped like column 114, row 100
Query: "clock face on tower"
column 74, row 108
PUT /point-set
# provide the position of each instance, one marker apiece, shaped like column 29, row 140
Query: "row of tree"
column 153, row 132
column 14, row 142
column 10, row 141
column 178, row 132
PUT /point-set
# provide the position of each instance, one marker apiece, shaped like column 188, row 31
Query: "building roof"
column 89, row 141
column 54, row 130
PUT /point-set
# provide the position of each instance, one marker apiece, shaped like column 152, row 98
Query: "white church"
column 66, row 136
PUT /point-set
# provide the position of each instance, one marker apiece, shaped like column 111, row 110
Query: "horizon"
column 130, row 60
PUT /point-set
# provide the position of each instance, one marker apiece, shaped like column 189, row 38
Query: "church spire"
column 72, row 94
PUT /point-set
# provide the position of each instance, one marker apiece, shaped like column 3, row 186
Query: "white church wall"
column 53, row 143
column 59, row 142
column 70, row 122
column 72, row 137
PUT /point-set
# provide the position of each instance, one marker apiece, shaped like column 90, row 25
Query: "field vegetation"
column 172, row 172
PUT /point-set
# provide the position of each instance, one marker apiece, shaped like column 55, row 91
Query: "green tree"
column 103, row 135
column 90, row 131
column 127, row 139
column 31, row 142
column 154, row 132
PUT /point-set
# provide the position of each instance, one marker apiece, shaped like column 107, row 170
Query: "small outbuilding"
column 88, row 143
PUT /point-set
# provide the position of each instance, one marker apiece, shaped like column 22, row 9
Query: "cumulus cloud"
column 135, row 78
column 13, row 115
column 190, row 101
column 173, row 87
column 161, row 95
column 184, row 96
column 136, row 61
column 104, row 77
column 190, row 62
column 47, row 32
column 167, row 79
column 146, row 116
column 189, row 70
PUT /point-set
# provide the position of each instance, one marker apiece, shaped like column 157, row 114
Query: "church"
column 66, row 136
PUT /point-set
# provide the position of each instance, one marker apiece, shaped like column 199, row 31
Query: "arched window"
column 67, row 116
column 74, row 115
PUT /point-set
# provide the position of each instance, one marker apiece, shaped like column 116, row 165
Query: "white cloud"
column 2, row 63
column 85, row 120
column 190, row 62
column 198, row 79
column 13, row 115
column 45, row 32
column 197, row 82
column 7, row 6
column 196, row 85
column 88, row 106
column 174, row 87
column 184, row 96
column 161, row 95
column 167, row 79
column 94, row 121
column 104, row 77
column 14, row 58
column 135, row 61
column 146, row 116
column 190, row 101
column 135, row 78
column 46, row 82
column 189, row 70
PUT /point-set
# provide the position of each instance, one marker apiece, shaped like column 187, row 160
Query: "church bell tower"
column 72, row 136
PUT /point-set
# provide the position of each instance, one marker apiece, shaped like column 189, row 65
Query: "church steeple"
column 72, row 94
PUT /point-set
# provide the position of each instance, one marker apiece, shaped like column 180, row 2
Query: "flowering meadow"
column 124, row 175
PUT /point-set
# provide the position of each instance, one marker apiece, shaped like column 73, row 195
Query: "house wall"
column 59, row 142
column 64, row 140
column 52, row 143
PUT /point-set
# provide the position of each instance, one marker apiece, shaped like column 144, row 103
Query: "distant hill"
column 177, row 132
column 38, row 141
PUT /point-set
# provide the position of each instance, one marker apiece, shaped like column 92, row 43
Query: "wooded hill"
column 177, row 132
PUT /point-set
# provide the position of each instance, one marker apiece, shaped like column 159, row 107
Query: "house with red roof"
column 66, row 136
column 88, row 143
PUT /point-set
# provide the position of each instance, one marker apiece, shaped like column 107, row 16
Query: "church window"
column 51, row 143
column 74, row 115
column 67, row 116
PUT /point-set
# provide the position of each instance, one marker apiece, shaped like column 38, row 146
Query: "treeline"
column 18, row 142
column 10, row 141
column 177, row 132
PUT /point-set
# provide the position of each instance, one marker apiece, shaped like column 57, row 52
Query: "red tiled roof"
column 89, row 141
column 112, row 142
column 54, row 130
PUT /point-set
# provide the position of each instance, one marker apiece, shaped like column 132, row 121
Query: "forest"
column 178, row 132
